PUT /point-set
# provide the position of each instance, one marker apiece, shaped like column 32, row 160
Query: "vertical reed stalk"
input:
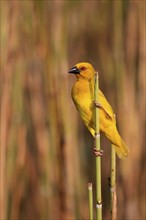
column 113, row 215
column 98, row 159
column 90, row 195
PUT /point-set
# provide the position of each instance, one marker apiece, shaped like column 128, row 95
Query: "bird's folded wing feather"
column 106, row 106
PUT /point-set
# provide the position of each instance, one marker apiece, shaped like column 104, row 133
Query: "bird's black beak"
column 74, row 70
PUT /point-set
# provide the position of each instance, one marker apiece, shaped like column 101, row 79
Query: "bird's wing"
column 106, row 106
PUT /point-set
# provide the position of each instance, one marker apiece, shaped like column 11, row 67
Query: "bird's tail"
column 122, row 151
column 118, row 144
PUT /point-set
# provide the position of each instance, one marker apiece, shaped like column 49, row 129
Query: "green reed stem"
column 90, row 195
column 98, row 159
column 113, row 215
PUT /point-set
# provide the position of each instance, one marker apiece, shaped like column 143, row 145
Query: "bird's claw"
column 97, row 104
column 97, row 153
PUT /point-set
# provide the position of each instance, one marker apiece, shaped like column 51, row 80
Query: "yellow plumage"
column 83, row 97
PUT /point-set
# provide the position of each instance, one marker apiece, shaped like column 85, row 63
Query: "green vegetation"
column 90, row 195
column 98, row 159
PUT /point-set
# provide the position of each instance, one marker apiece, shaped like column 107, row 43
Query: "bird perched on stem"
column 83, row 98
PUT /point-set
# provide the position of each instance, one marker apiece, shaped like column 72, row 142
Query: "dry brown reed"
column 44, row 157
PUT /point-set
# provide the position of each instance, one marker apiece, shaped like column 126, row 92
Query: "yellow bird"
column 83, row 98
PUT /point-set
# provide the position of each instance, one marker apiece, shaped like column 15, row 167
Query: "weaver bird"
column 83, row 98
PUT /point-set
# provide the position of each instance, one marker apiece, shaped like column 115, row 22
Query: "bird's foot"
column 97, row 153
column 97, row 104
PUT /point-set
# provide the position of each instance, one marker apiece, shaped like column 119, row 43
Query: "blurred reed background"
column 46, row 156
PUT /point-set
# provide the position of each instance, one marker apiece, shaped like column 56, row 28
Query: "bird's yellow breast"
column 82, row 96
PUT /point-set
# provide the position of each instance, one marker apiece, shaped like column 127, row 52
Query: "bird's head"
column 83, row 70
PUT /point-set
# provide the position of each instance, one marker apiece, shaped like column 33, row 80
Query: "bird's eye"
column 83, row 68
